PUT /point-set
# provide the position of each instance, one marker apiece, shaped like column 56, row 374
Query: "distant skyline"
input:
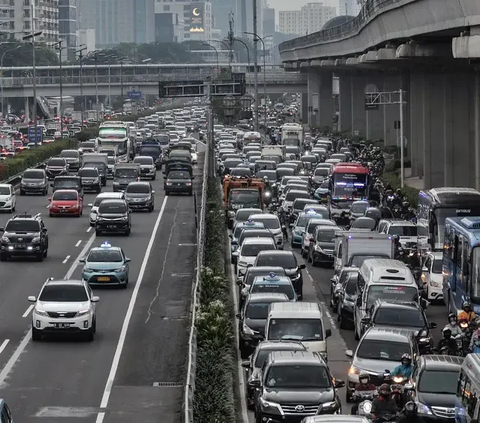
column 296, row 5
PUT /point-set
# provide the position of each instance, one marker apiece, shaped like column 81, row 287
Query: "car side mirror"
column 235, row 254
column 153, row 192
column 349, row 353
column 82, row 260
column 365, row 320
column 432, row 325
column 408, row 387
column 238, row 316
column 32, row 299
column 51, row 185
column 255, row 383
column 339, row 383
column 246, row 364
column 90, row 205
column 230, row 236
column 95, row 299
column 128, row 260
column 302, row 266
column 2, row 229
column 328, row 333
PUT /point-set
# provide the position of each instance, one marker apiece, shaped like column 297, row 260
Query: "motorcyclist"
column 467, row 313
column 405, row 369
column 453, row 326
column 475, row 342
column 448, row 341
column 364, row 385
column 384, row 404
column 409, row 414
column 398, row 249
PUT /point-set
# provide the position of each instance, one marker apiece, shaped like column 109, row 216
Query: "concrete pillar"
column 359, row 121
column 313, row 82
column 391, row 113
column 325, row 106
column 344, row 102
column 374, row 118
column 304, row 109
column 27, row 109
column 476, row 127
column 415, row 113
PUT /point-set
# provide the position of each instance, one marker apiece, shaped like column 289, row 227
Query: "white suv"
column 98, row 199
column 64, row 306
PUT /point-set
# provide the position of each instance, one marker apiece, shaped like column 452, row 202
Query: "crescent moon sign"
column 196, row 12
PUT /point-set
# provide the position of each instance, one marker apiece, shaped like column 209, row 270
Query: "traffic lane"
column 151, row 373
column 24, row 276
column 73, row 374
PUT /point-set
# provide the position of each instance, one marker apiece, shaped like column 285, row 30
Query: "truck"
column 352, row 248
column 274, row 151
column 292, row 135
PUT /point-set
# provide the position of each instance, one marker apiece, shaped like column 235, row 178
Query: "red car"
column 66, row 202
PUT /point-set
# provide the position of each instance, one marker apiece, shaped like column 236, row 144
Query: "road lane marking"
column 29, row 309
column 66, row 259
column 78, row 243
column 4, row 345
column 89, row 228
column 13, row 359
column 82, row 253
column 128, row 316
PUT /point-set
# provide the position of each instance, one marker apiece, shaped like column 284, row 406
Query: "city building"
column 86, row 37
column 144, row 21
column 246, row 22
column 67, row 28
column 349, row 7
column 309, row 19
column 221, row 13
column 168, row 28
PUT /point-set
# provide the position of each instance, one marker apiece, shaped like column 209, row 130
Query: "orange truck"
column 240, row 193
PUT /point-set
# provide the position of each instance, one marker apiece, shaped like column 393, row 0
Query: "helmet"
column 452, row 317
column 445, row 350
column 466, row 304
column 447, row 332
column 406, row 204
column 398, row 191
column 410, row 408
column 406, row 357
column 362, row 376
column 385, row 389
column 265, row 178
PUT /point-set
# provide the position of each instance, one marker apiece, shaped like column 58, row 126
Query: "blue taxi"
column 300, row 225
column 106, row 265
column 272, row 284
column 236, row 232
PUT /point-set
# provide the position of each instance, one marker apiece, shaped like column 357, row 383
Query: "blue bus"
column 461, row 263
column 468, row 391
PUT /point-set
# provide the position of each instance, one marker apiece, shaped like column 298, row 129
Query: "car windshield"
column 270, row 174
column 437, row 266
column 126, row 173
column 359, row 207
column 274, row 287
column 438, row 382
column 64, row 196
column 62, row 182
column 252, row 250
column 321, row 172
column 302, row 221
column 292, row 196
column 4, row 190
column 392, row 317
column 254, row 233
column 105, row 256
column 403, row 230
column 22, row 226
column 87, row 144
column 326, row 235
column 351, row 286
column 138, row 189
column 33, row 174
column 111, row 160
column 98, row 200
column 391, row 292
column 298, row 377
column 298, row 329
column 358, row 260
column 143, row 160
column 243, row 215
column 112, row 208
column 381, row 349
column 178, row 174
column 63, row 293
column 56, row 162
column 88, row 173
column 313, row 225
column 287, row 261
column 257, row 311
column 71, row 154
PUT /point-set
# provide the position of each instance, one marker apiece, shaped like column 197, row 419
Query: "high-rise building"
column 86, row 37
column 221, row 12
column 168, row 28
column 144, row 21
column 349, row 7
column 247, row 16
column 67, row 24
column 309, row 19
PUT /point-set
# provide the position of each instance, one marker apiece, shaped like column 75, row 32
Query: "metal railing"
column 370, row 9
column 192, row 339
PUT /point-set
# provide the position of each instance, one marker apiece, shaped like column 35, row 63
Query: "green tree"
column 21, row 54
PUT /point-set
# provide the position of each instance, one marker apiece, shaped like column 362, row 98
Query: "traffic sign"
column 36, row 138
column 134, row 94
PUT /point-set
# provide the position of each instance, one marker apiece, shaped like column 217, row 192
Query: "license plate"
column 112, row 226
column 103, row 279
column 62, row 325
column 21, row 246
column 63, row 211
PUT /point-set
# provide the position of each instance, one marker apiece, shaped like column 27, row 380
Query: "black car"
column 68, row 182
column 56, row 166
column 288, row 261
column 293, row 385
column 346, row 296
column 140, row 196
column 252, row 319
column 322, row 244
column 113, row 216
column 178, row 182
column 297, row 207
column 73, row 158
column 434, row 387
column 403, row 315
column 90, row 179
column 253, row 367
column 34, row 181
column 24, row 236
column 102, row 169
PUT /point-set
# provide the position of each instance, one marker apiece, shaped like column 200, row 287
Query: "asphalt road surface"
column 316, row 288
column 134, row 369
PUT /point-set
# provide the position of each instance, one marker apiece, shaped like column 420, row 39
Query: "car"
column 379, row 351
column 34, row 181
column 272, row 223
column 8, row 198
column 24, row 236
column 140, row 196
column 242, row 215
column 288, row 261
column 358, row 209
column 147, row 165
column 73, row 159
column 293, row 385
column 249, row 251
column 343, row 418
column 254, row 365
column 346, row 293
column 322, row 244
column 113, row 216
column 237, row 232
column 336, row 285
column 65, row 202
column 271, row 284
column 432, row 276
column 90, row 179
column 67, row 182
column 299, row 227
column 64, row 306
column 252, row 319
column 250, row 275
column 56, row 166
column 5, row 412
column 178, row 182
column 98, row 199
column 194, row 155
column 106, row 265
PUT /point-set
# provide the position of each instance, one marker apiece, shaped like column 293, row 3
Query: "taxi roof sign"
column 105, row 245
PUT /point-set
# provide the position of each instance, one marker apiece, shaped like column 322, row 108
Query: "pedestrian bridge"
column 118, row 79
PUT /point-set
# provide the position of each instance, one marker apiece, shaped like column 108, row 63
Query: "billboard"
column 197, row 18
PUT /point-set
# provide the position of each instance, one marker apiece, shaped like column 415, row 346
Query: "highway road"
column 316, row 288
column 134, row 369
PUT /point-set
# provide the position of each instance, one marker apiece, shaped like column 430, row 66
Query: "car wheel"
column 98, row 233
column 3, row 257
column 40, row 257
column 90, row 334
column 243, row 350
column 36, row 335
column 14, row 207
column 22, row 192
column 45, row 253
column 167, row 192
column 127, row 233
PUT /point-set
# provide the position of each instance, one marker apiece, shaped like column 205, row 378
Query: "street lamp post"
column 59, row 47
column 109, row 57
column 80, row 58
column 228, row 48
column 121, row 60
column 248, row 53
column 216, row 53
column 2, row 78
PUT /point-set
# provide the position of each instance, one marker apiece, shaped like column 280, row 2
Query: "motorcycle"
column 385, row 418
column 365, row 399
column 397, row 384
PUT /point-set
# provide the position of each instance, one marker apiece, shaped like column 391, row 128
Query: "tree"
column 21, row 54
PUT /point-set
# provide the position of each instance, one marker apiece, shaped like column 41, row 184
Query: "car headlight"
column 40, row 312
column 367, row 407
column 87, row 270
column 100, row 218
column 82, row 313
column 125, row 218
column 295, row 277
column 5, row 239
column 36, row 240
column 329, row 404
column 247, row 330
column 435, row 284
column 8, row 199
column 353, row 370
column 120, row 269
column 270, row 406
column 423, row 409
column 169, row 183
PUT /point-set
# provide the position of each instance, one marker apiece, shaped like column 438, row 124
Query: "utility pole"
column 80, row 58
column 255, row 62
column 60, row 48
column 231, row 39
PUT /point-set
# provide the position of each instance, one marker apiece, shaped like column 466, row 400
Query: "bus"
column 349, row 182
column 461, row 263
column 437, row 204
column 467, row 406
column 116, row 135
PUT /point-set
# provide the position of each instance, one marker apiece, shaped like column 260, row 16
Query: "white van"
column 299, row 321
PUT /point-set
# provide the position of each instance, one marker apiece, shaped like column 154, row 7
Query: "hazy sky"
column 295, row 4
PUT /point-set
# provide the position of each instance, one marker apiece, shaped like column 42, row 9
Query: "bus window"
column 475, row 277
